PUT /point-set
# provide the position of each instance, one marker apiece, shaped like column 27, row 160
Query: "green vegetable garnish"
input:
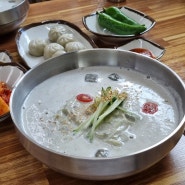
column 117, row 14
column 104, row 106
column 129, row 115
column 118, row 27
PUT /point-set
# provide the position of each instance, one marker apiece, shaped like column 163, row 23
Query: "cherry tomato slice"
column 84, row 98
column 150, row 108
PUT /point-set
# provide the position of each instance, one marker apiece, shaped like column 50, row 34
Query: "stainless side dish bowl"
column 47, row 111
column 12, row 14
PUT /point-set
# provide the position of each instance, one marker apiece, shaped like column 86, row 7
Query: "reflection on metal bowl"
column 91, row 167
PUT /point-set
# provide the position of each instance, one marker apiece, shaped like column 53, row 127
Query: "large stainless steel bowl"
column 98, row 168
column 12, row 14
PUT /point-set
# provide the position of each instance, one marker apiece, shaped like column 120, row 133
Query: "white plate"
column 40, row 30
column 156, row 49
column 91, row 23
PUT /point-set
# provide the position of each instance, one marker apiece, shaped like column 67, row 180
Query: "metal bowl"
column 12, row 14
column 91, row 167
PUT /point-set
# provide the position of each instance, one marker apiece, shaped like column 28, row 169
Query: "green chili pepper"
column 117, row 14
column 118, row 27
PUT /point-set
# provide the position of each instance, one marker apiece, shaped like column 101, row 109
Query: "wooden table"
column 18, row 167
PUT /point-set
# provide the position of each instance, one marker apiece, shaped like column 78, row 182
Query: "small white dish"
column 10, row 74
column 5, row 56
column 157, row 50
column 40, row 30
column 91, row 24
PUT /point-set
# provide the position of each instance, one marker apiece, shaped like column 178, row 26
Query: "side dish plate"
column 40, row 30
column 91, row 24
column 10, row 74
column 156, row 49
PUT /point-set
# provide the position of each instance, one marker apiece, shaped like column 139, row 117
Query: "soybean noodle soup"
column 45, row 122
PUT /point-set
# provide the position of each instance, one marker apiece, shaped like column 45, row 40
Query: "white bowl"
column 10, row 73
column 91, row 24
column 154, row 48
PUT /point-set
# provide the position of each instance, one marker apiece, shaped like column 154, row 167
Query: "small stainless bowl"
column 12, row 14
column 90, row 168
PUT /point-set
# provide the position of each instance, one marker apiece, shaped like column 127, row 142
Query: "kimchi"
column 5, row 93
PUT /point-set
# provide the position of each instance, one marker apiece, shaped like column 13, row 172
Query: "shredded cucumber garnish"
column 103, row 106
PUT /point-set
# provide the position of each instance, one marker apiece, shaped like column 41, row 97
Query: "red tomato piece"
column 150, row 108
column 84, row 98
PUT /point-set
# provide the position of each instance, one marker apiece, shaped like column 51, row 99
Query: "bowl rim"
column 14, row 64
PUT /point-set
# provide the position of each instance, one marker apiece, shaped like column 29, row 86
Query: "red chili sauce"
column 143, row 52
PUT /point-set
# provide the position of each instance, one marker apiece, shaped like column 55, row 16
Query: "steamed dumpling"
column 65, row 38
column 36, row 47
column 74, row 46
column 51, row 48
column 55, row 32
column 58, row 53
